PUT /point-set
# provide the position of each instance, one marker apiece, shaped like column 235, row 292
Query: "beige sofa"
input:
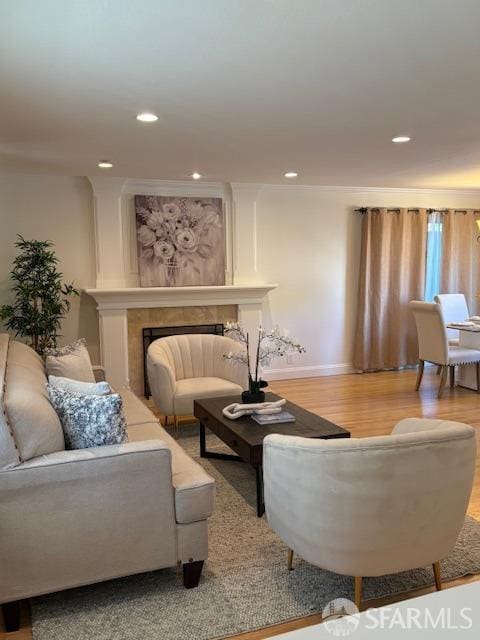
column 70, row 518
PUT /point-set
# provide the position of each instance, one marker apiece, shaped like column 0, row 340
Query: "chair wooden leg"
column 175, row 423
column 436, row 573
column 358, row 591
column 421, row 366
column 439, row 369
column 443, row 379
column 165, row 421
column 290, row 560
column 478, row 377
column 452, row 376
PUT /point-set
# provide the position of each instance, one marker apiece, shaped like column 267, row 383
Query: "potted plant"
column 270, row 344
column 41, row 299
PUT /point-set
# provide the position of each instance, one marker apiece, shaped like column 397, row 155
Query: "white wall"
column 58, row 209
column 309, row 243
column 306, row 239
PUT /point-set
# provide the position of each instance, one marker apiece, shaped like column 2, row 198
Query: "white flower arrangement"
column 271, row 344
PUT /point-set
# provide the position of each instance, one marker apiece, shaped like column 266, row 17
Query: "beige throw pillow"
column 72, row 362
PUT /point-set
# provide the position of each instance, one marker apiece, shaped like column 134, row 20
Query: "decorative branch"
column 271, row 344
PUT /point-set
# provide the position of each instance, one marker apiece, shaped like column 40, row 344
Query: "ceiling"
column 245, row 90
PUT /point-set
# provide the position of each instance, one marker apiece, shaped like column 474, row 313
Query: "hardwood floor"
column 367, row 405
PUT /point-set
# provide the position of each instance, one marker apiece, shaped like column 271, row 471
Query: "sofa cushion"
column 134, row 409
column 189, row 389
column 89, row 420
column 72, row 361
column 8, row 451
column 33, row 420
column 194, row 488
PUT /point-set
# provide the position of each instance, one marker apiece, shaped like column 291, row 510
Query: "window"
column 434, row 256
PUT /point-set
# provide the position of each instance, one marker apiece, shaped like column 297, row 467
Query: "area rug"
column 245, row 584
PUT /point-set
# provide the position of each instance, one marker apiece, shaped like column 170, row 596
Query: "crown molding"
column 106, row 184
column 384, row 190
column 200, row 188
column 190, row 188
column 246, row 189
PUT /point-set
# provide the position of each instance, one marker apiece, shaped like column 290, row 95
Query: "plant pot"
column 254, row 393
column 253, row 397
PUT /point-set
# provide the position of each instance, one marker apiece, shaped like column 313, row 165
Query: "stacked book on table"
column 273, row 418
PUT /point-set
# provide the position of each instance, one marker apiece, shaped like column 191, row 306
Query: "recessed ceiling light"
column 105, row 165
column 401, row 139
column 147, row 117
column 196, row 176
column 291, row 174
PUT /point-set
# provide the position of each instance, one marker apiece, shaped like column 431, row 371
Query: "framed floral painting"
column 181, row 241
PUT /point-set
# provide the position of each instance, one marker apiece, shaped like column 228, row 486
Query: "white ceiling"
column 244, row 89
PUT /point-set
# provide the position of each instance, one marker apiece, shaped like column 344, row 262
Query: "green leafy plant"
column 41, row 298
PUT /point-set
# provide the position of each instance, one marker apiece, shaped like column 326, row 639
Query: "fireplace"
column 125, row 308
column 125, row 312
column 150, row 334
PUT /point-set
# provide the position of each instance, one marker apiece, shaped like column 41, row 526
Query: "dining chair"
column 454, row 309
column 433, row 345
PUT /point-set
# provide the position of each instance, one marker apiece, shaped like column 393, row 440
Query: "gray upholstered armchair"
column 371, row 506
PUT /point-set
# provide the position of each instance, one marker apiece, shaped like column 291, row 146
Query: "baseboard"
column 314, row 371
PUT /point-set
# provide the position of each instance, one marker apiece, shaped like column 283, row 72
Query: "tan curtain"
column 460, row 255
column 392, row 272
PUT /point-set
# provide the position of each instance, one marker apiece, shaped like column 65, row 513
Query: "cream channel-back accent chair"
column 184, row 368
column 433, row 345
column 454, row 309
column 371, row 506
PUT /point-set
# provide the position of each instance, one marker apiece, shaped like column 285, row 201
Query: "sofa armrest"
column 162, row 381
column 77, row 517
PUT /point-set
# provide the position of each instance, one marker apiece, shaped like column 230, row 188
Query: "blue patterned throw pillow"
column 89, row 420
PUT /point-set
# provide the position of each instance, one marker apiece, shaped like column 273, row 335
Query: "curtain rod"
column 397, row 209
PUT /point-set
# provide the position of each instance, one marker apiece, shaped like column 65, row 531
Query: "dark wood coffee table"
column 245, row 436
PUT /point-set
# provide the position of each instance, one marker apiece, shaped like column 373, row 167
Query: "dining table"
column 469, row 338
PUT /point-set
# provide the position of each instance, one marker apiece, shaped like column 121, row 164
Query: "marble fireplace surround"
column 124, row 307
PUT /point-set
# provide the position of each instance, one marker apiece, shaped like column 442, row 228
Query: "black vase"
column 254, row 393
column 249, row 397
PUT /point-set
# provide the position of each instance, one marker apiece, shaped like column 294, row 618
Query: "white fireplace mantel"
column 150, row 297
column 113, row 305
